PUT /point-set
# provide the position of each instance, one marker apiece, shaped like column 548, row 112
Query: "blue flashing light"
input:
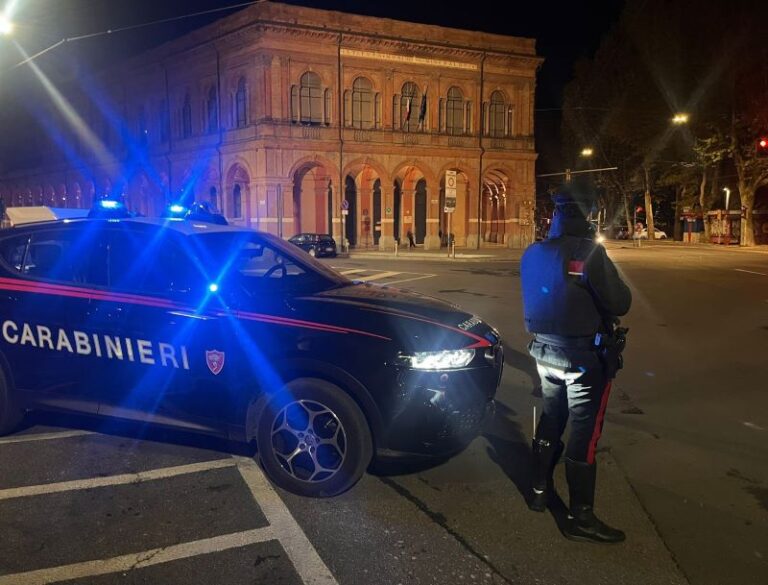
column 213, row 287
column 176, row 208
column 109, row 204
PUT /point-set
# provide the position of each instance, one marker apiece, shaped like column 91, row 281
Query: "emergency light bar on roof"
column 23, row 215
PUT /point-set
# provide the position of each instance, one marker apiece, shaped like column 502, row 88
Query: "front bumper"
column 440, row 413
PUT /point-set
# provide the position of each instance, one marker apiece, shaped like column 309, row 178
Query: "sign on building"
column 450, row 192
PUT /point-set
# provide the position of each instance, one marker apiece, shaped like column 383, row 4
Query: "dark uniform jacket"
column 570, row 286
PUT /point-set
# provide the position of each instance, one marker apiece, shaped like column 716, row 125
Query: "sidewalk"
column 614, row 244
column 462, row 255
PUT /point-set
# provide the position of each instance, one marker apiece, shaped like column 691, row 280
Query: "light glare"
column 441, row 360
column 6, row 26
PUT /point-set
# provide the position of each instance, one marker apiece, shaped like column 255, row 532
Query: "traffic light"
column 761, row 147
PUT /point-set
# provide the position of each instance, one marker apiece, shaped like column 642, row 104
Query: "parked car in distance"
column 315, row 244
column 643, row 235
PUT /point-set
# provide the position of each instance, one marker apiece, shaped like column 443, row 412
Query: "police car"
column 229, row 331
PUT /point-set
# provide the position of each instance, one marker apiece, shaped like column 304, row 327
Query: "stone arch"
column 364, row 179
column 313, row 160
column 457, row 222
column 497, row 208
column 236, row 202
column 412, row 184
column 310, row 207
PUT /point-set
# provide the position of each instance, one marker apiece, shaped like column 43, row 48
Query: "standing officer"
column 572, row 295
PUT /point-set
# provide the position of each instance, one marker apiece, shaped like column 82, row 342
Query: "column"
column 387, row 239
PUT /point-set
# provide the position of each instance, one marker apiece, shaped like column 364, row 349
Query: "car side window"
column 12, row 251
column 147, row 265
column 63, row 255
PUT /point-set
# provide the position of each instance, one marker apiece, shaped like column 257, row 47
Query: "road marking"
column 303, row 555
column 44, row 436
column 420, row 277
column 97, row 482
column 752, row 425
column 352, row 271
column 142, row 559
column 750, row 271
column 378, row 276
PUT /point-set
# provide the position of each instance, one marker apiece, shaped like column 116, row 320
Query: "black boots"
column 545, row 457
column 582, row 523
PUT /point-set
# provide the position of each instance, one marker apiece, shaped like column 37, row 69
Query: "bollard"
column 396, row 247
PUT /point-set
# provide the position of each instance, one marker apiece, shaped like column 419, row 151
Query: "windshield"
column 261, row 263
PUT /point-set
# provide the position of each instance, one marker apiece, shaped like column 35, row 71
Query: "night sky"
column 565, row 31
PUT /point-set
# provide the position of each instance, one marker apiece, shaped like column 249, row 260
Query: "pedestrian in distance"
column 572, row 296
column 411, row 242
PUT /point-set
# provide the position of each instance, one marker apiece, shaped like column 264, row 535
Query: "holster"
column 611, row 349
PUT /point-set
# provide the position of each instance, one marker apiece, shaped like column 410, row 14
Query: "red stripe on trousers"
column 598, row 424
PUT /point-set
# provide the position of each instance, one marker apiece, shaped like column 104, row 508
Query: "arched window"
column 497, row 114
column 410, row 104
column 241, row 114
column 237, row 201
column 454, row 119
column 310, row 99
column 186, row 118
column 362, row 103
column 212, row 110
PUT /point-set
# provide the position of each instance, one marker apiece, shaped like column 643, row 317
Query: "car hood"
column 420, row 321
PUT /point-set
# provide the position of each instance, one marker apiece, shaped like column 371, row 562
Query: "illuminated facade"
column 278, row 114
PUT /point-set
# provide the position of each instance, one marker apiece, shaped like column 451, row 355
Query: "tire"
column 312, row 252
column 315, row 469
column 10, row 415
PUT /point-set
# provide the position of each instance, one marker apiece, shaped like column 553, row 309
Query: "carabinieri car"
column 226, row 330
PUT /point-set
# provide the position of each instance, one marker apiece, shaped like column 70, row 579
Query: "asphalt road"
column 682, row 465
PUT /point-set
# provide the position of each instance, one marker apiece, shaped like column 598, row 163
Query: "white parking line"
column 420, row 277
column 140, row 560
column 303, row 555
column 97, row 482
column 378, row 276
column 43, row 436
column 352, row 271
column 750, row 271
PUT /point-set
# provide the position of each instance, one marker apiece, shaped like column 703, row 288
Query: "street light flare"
column 6, row 26
column 680, row 118
column 586, row 151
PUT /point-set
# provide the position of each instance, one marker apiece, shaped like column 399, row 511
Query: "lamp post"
column 727, row 219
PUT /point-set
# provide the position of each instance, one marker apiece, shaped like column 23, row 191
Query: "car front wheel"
column 313, row 439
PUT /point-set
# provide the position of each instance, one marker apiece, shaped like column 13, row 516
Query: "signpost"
column 344, row 214
column 450, row 203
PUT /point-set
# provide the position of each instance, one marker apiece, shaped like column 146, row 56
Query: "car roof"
column 182, row 226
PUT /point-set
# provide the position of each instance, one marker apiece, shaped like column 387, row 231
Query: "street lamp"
column 586, row 152
column 6, row 26
column 680, row 118
column 727, row 197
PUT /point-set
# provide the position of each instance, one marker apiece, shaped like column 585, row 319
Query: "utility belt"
column 590, row 342
column 609, row 346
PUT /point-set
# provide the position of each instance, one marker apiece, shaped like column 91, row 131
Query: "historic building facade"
column 285, row 117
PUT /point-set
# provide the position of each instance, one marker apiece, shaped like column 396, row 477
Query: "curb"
column 433, row 258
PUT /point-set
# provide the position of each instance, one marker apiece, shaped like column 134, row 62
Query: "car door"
column 149, row 319
column 45, row 332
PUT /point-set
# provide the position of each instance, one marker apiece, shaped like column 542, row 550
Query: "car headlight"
column 600, row 239
column 451, row 359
